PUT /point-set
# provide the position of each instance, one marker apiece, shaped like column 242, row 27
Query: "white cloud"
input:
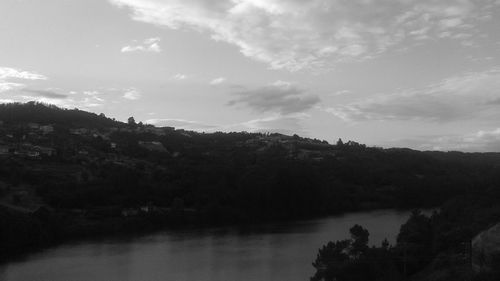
column 148, row 45
column 9, row 86
column 281, row 84
column 179, row 76
column 468, row 96
column 218, row 81
column 7, row 72
column 132, row 94
column 453, row 22
column 93, row 96
column 296, row 34
column 340, row 93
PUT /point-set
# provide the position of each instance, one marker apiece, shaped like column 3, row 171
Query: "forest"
column 103, row 170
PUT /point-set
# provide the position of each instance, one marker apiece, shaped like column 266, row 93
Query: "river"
column 277, row 251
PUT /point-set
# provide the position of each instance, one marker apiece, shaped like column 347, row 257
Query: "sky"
column 423, row 74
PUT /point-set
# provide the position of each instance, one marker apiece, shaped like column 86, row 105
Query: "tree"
column 331, row 260
column 340, row 142
column 131, row 122
column 359, row 244
column 336, row 261
column 414, row 242
column 353, row 260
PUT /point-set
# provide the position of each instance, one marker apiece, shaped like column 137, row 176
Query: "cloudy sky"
column 423, row 74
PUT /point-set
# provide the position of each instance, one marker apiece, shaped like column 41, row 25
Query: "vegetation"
column 98, row 175
column 434, row 248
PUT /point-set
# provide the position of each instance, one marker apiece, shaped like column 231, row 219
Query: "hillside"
column 102, row 176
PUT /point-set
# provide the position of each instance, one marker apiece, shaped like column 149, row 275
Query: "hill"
column 99, row 175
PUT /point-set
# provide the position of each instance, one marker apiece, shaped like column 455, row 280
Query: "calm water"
column 282, row 251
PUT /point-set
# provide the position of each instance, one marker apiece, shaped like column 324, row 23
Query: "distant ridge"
column 47, row 114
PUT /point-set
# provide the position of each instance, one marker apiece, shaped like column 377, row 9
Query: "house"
column 47, row 129
column 146, row 209
column 34, row 126
column 130, row 212
column 4, row 149
column 47, row 151
column 32, row 154
column 150, row 208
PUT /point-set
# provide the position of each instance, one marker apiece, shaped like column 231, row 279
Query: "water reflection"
column 279, row 251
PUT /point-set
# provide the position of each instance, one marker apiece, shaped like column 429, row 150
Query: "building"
column 4, row 150
column 34, row 126
column 129, row 212
column 47, row 129
column 47, row 151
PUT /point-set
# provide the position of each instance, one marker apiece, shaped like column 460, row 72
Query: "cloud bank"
column 471, row 95
column 297, row 34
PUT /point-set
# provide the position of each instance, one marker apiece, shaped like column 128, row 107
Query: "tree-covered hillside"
column 88, row 169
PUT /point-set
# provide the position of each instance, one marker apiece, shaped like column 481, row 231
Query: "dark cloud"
column 283, row 100
column 46, row 94
column 495, row 101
